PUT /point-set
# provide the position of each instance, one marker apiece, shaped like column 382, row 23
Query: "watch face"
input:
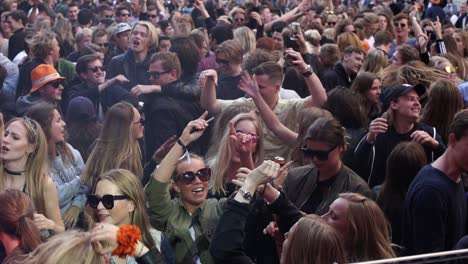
column 247, row 195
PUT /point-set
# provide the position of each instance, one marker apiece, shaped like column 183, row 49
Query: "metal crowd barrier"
column 461, row 256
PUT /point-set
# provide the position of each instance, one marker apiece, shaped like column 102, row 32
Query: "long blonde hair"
column 36, row 164
column 219, row 163
column 130, row 185
column 368, row 236
column 68, row 247
column 115, row 148
column 314, row 241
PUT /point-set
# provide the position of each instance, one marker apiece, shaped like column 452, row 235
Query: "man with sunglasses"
column 46, row 87
column 103, row 93
column 45, row 49
column 402, row 25
column 168, row 112
column 229, row 56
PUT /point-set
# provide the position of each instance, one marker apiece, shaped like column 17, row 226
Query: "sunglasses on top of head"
column 188, row 177
column 107, row 200
column 321, row 155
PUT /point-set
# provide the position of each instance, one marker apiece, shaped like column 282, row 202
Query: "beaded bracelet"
column 127, row 238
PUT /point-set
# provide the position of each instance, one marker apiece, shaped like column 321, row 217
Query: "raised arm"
column 249, row 85
column 318, row 95
column 164, row 172
column 208, row 82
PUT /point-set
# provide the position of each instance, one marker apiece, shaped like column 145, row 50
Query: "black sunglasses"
column 95, row 69
column 107, row 200
column 188, row 177
column 125, row 15
column 156, row 74
column 105, row 45
column 153, row 16
column 400, row 25
column 221, row 61
column 141, row 121
column 110, row 16
column 55, row 84
column 321, row 155
column 331, row 23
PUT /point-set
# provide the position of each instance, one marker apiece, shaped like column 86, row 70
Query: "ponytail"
column 28, row 234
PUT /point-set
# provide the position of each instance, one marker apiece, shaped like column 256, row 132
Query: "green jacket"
column 171, row 217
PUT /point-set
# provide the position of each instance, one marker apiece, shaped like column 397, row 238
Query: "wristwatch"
column 246, row 195
column 308, row 72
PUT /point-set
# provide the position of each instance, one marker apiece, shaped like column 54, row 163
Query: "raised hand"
column 376, row 127
column 249, row 85
column 194, row 129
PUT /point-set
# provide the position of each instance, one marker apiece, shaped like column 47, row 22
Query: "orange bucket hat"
column 42, row 75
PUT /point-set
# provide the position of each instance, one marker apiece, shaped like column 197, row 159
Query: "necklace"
column 13, row 172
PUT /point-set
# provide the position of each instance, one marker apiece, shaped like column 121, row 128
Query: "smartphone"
column 295, row 29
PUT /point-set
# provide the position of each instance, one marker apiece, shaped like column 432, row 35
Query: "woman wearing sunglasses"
column 117, row 146
column 241, row 146
column 118, row 199
column 190, row 219
column 65, row 162
column 312, row 188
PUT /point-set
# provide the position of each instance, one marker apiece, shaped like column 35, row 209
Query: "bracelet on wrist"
column 181, row 144
column 127, row 238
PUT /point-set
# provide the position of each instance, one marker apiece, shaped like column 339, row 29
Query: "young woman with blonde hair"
column 118, row 199
column 231, row 155
column 362, row 225
column 24, row 160
column 117, row 146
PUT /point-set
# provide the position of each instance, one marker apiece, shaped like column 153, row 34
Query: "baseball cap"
column 121, row 27
column 395, row 91
column 42, row 74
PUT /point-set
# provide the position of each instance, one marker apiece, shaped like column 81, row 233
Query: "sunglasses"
column 239, row 19
column 153, row 16
column 221, row 61
column 96, row 69
column 55, row 84
column 321, row 155
column 188, row 177
column 331, row 23
column 109, row 16
column 400, row 25
column 125, row 15
column 253, row 137
column 141, row 121
column 105, row 45
column 107, row 200
column 156, row 74
column 451, row 69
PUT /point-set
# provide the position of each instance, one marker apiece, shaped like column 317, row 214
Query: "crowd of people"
column 222, row 131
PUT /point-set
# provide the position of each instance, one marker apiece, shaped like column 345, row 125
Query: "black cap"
column 391, row 93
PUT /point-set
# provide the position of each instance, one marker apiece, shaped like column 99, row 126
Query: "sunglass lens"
column 187, row 177
column 108, row 201
column 204, row 174
column 93, row 201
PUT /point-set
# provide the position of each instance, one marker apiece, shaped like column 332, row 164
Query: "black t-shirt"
column 228, row 87
column 315, row 199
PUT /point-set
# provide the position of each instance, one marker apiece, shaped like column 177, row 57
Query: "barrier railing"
column 439, row 257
